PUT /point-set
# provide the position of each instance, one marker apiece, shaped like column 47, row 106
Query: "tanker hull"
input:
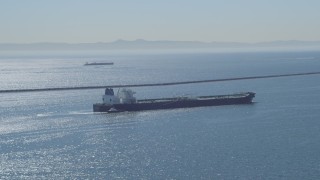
column 181, row 102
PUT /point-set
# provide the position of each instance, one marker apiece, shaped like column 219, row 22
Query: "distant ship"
column 125, row 101
column 98, row 63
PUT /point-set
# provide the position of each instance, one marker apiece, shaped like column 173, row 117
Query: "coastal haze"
column 56, row 134
column 141, row 44
column 84, row 21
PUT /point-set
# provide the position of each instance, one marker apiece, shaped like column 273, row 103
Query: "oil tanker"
column 98, row 63
column 125, row 101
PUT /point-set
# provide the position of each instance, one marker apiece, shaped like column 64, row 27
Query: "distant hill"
column 143, row 44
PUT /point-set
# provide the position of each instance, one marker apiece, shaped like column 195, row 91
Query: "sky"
column 89, row 21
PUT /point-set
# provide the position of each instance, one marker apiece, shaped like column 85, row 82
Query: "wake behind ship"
column 125, row 101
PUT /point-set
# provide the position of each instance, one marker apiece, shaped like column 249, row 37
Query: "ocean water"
column 55, row 135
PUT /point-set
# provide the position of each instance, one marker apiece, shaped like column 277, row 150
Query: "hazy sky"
column 73, row 21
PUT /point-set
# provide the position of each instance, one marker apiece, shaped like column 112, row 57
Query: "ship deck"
column 238, row 95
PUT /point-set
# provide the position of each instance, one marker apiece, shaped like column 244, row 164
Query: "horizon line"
column 146, row 40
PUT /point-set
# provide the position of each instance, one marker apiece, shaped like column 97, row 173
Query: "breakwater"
column 158, row 84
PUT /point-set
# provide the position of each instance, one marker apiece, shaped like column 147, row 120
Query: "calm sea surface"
column 55, row 135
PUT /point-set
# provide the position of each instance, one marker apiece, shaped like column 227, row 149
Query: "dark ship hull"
column 181, row 102
column 98, row 64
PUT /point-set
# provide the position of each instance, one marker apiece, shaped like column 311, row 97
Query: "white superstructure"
column 124, row 96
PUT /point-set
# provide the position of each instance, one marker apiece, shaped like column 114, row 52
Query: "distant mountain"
column 289, row 43
column 143, row 44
